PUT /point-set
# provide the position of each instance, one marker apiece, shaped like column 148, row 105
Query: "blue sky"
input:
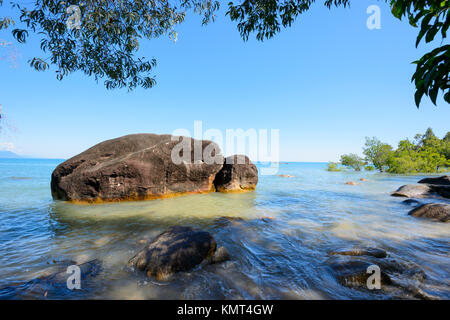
column 325, row 83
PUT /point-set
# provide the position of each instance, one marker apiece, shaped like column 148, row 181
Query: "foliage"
column 106, row 42
column 425, row 154
column 353, row 161
column 111, row 31
column 377, row 153
column 432, row 70
column 333, row 166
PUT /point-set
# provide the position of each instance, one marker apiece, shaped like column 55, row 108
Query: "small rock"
column 373, row 252
column 286, row 176
column 354, row 273
column 413, row 202
column 434, row 211
column 177, row 249
column 220, row 255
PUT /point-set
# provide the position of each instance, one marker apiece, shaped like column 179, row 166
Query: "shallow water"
column 279, row 248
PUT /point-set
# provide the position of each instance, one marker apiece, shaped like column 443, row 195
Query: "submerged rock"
column 444, row 180
column 434, row 211
column 353, row 273
column 237, row 174
column 221, row 255
column 413, row 202
column 398, row 278
column 53, row 283
column 177, row 249
column 374, row 252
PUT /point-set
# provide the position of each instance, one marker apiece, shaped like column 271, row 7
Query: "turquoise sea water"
column 279, row 237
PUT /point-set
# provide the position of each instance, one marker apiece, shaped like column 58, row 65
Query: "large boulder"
column 444, row 180
column 237, row 174
column 434, row 211
column 137, row 167
column 413, row 191
column 422, row 191
column 177, row 249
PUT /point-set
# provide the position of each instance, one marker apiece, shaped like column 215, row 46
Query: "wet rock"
column 237, row 174
column 398, row 278
column 373, row 252
column 53, row 283
column 353, row 273
column 226, row 221
column 442, row 190
column 422, row 191
column 221, row 255
column 413, row 191
column 137, row 167
column 444, row 180
column 286, row 176
column 177, row 249
column 434, row 211
column 412, row 202
column 351, row 183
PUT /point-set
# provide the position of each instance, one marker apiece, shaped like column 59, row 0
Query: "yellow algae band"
column 136, row 198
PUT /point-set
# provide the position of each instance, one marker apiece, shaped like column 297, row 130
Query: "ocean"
column 279, row 238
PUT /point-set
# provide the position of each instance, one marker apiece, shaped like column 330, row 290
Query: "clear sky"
column 325, row 83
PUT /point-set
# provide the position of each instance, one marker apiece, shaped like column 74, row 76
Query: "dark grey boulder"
column 177, row 249
column 434, row 211
column 442, row 190
column 413, row 191
column 237, row 174
column 136, row 167
column 444, row 180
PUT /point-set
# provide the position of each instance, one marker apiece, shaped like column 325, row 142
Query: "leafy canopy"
column 106, row 45
column 353, row 161
column 425, row 154
column 377, row 153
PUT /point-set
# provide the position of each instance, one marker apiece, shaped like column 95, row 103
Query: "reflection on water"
column 279, row 236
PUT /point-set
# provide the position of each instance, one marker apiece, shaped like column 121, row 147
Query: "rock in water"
column 177, row 249
column 444, row 180
column 238, row 174
column 373, row 252
column 137, row 167
column 413, row 190
column 435, row 211
column 412, row 202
